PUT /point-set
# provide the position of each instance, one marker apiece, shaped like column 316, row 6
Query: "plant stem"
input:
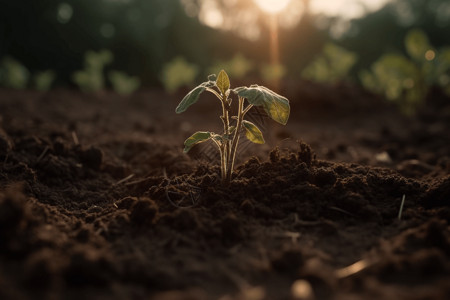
column 222, row 158
column 223, row 163
column 234, row 143
column 247, row 109
column 225, row 152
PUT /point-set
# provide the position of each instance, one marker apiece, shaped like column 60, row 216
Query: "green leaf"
column 198, row 137
column 253, row 133
column 193, row 96
column 223, row 82
column 212, row 77
column 217, row 137
column 276, row 106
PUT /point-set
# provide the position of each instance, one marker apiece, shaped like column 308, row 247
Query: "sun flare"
column 272, row 6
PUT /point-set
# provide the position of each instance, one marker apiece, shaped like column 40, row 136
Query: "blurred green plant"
column 91, row 78
column 43, row 80
column 407, row 80
column 331, row 66
column 398, row 79
column 272, row 72
column 13, row 74
column 177, row 73
column 238, row 66
column 122, row 83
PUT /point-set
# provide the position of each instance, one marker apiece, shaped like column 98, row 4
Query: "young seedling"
column 276, row 107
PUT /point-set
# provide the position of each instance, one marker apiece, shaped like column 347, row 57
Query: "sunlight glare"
column 211, row 15
column 272, row 6
column 348, row 9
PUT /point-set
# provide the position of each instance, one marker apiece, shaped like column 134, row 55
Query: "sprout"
column 276, row 106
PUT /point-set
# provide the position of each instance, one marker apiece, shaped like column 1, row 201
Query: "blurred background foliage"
column 406, row 79
column 91, row 78
column 49, row 43
column 332, row 66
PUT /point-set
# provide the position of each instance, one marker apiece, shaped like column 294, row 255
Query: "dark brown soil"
column 97, row 200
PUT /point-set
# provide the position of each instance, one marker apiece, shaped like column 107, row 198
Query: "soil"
column 98, row 201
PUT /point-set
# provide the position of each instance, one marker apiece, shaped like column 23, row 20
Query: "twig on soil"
column 43, row 154
column 124, row 179
column 352, row 269
column 136, row 181
column 75, row 138
column 341, row 210
column 401, row 207
column 297, row 221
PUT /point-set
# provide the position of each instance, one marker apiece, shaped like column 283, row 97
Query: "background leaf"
column 178, row 73
column 122, row 83
column 44, row 80
column 331, row 66
column 253, row 133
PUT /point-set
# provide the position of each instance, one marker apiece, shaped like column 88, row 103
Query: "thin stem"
column 247, row 109
column 225, row 152
column 234, row 143
column 223, row 163
column 222, row 158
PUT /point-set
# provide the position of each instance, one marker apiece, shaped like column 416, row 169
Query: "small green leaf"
column 223, row 82
column 193, row 96
column 276, row 106
column 212, row 77
column 253, row 133
column 229, row 136
column 198, row 137
column 217, row 137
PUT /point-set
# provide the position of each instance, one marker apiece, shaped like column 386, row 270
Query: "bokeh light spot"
column 211, row 15
column 430, row 55
column 64, row 13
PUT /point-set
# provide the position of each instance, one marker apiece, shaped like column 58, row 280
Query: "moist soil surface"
column 98, row 200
